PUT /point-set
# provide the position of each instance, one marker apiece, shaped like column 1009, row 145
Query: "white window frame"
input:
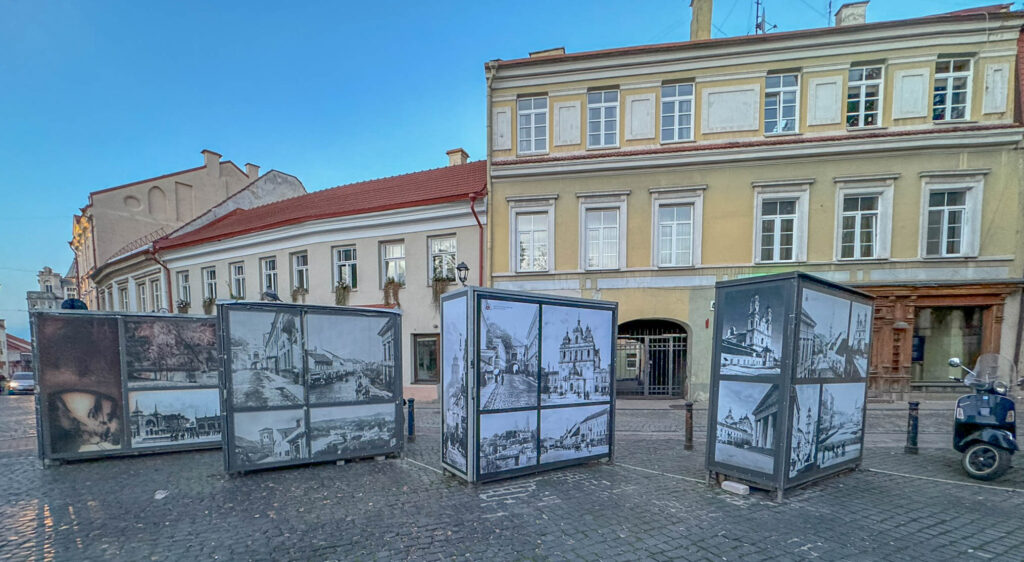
column 123, row 299
column 668, row 197
column 184, row 288
column 532, row 116
column 604, row 119
column 949, row 77
column 598, row 201
column 768, row 191
column 863, row 84
column 141, row 300
column 526, row 205
column 972, row 182
column 431, row 254
column 272, row 272
column 676, row 113
column 300, row 273
column 209, row 285
column 779, row 94
column 385, row 260
column 237, row 280
column 156, row 294
column 881, row 187
column 344, row 267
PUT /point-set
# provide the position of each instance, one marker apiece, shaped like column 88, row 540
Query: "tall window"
column 677, row 112
column 122, row 294
column 184, row 290
column 952, row 90
column 393, row 261
column 533, row 125
column 210, row 283
column 859, row 234
column 532, row 241
column 71, row 292
column 48, row 288
column 946, row 213
column 238, row 280
column 675, row 235
column 442, row 258
column 345, row 267
column 778, row 229
column 780, row 103
column 157, row 294
column 863, row 96
column 300, row 271
column 269, row 274
column 602, row 238
column 603, row 119
column 143, row 303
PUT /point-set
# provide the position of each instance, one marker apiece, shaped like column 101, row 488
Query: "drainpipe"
column 167, row 276
column 492, row 68
column 480, row 226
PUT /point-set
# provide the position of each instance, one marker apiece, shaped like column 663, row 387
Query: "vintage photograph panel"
column 350, row 358
column 268, row 437
column 266, row 358
column 860, row 341
column 576, row 355
column 802, row 446
column 455, row 359
column 172, row 353
column 570, row 433
column 508, row 441
column 752, row 326
column 841, row 423
column 352, row 431
column 160, row 418
column 747, row 421
column 79, row 381
column 509, row 334
column 823, row 329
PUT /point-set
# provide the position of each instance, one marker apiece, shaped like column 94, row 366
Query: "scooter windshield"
column 992, row 367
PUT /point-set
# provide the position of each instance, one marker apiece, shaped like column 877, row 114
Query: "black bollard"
column 412, row 420
column 688, row 444
column 912, row 418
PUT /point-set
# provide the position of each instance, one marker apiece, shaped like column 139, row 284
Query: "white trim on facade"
column 798, row 190
column 972, row 183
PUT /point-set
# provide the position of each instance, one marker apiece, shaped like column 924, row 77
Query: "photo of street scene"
column 576, row 355
column 860, row 341
column 455, row 359
column 823, row 328
column 747, row 416
column 276, row 436
column 174, row 417
column 752, row 330
column 570, row 433
column 352, row 431
column 350, row 358
column 841, row 423
column 79, row 380
column 507, row 441
column 266, row 358
column 805, row 428
column 508, row 354
column 164, row 352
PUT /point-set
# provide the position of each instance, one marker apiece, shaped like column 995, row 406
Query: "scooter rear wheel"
column 984, row 461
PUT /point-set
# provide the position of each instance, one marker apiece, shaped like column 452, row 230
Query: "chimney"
column 548, row 52
column 252, row 170
column 700, row 21
column 457, row 157
column 211, row 158
column 852, row 14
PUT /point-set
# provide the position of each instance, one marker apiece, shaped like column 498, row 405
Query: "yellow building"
column 880, row 155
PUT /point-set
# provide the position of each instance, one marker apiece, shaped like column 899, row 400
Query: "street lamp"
column 463, row 271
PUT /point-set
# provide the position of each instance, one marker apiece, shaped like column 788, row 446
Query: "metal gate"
column 651, row 359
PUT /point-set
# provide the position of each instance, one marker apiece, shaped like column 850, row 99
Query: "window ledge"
column 954, row 122
column 529, row 154
column 609, row 147
column 949, row 258
column 785, row 134
column 681, row 141
column 675, row 267
column 545, row 272
column 868, row 128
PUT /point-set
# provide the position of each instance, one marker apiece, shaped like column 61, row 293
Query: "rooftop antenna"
column 828, row 14
column 760, row 24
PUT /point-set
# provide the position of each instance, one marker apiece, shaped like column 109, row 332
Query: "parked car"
column 22, row 382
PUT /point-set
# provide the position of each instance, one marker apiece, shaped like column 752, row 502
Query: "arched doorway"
column 651, row 358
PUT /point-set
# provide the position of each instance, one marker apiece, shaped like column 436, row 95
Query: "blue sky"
column 96, row 94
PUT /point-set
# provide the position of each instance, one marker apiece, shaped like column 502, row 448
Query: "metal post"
column 412, row 420
column 912, row 420
column 688, row 444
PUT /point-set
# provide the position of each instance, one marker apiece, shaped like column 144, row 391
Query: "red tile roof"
column 430, row 187
column 16, row 343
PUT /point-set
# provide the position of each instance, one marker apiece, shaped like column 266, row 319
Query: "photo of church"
column 576, row 354
column 174, row 417
column 752, row 329
column 747, row 421
column 454, row 365
column 860, row 341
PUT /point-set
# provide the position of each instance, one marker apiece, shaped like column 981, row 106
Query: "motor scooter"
column 985, row 428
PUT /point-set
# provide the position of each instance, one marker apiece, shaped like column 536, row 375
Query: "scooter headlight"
column 1000, row 387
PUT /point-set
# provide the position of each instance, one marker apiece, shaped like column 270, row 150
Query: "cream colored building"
column 53, row 289
column 884, row 155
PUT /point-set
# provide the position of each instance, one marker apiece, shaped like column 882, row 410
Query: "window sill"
column 609, row 147
column 529, row 154
column 784, row 134
column 867, row 128
column 954, row 122
column 791, row 262
column 949, row 258
column 601, row 269
column 674, row 267
column 681, row 141
column 540, row 272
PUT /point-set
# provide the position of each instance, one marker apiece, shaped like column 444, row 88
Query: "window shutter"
column 996, row 87
column 911, row 93
column 502, row 129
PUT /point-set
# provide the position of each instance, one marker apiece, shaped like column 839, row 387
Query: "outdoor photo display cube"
column 789, row 379
column 111, row 384
column 306, row 384
column 527, row 382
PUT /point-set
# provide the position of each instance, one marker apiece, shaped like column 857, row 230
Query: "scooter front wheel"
column 984, row 461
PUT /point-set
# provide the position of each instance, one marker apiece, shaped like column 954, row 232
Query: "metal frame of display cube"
column 811, row 358
column 461, row 317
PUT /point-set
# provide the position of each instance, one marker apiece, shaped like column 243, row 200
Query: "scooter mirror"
column 954, row 361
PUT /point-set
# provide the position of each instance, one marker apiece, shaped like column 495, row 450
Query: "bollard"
column 688, row 444
column 912, row 417
column 412, row 420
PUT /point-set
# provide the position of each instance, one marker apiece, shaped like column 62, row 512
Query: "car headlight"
column 14, row 384
column 1000, row 387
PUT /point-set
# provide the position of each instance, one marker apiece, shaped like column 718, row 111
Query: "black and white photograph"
column 752, row 330
column 860, row 341
column 352, row 431
column 171, row 353
column 841, row 423
column 508, row 441
column 747, row 416
column 805, row 428
column 268, row 437
column 79, row 378
column 174, row 417
column 576, row 355
column 570, row 433
column 509, row 334
column 823, row 328
column 266, row 358
column 455, row 360
column 350, row 358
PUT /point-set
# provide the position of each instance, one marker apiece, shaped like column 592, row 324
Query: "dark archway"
column 651, row 358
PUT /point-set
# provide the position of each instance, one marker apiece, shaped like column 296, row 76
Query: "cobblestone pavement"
column 650, row 504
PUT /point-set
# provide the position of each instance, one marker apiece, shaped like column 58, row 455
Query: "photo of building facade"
column 508, row 441
column 509, row 345
column 353, row 365
column 454, row 368
column 569, row 433
column 175, row 417
column 577, row 353
column 275, row 436
column 751, row 337
column 266, row 358
column 803, row 447
column 350, row 431
column 841, row 423
column 747, row 423
column 824, row 336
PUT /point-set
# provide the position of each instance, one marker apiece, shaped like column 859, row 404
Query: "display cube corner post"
column 789, row 379
column 527, row 382
column 306, row 384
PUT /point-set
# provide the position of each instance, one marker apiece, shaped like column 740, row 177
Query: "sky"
column 97, row 94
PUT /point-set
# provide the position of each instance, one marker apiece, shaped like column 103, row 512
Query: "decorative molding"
column 641, row 85
column 911, row 93
column 825, row 68
column 782, row 183
column 678, row 189
column 912, row 60
column 567, row 92
column 867, row 178
column 609, row 193
column 966, row 172
column 501, row 98
column 656, row 282
column 737, row 76
column 997, row 53
column 730, row 108
column 825, row 100
column 522, row 198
